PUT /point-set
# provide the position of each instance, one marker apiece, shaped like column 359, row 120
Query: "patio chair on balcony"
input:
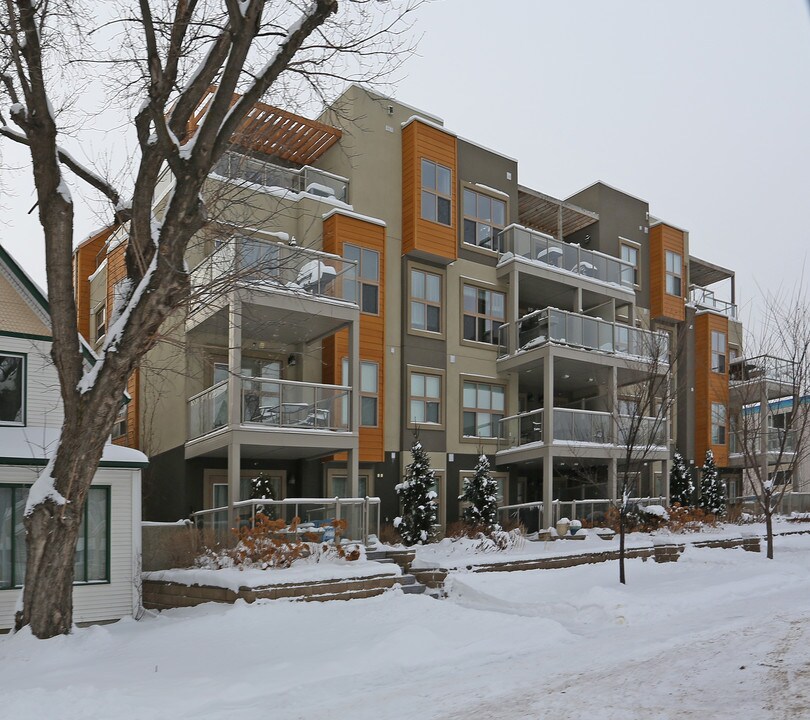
column 315, row 277
column 550, row 256
column 585, row 268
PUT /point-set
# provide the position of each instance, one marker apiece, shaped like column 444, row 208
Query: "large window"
column 674, row 274
column 426, row 301
column 12, row 389
column 365, row 290
column 484, row 219
column 436, row 193
column 484, row 313
column 718, row 424
column 100, row 322
column 426, row 397
column 484, row 406
column 718, row 351
column 369, row 384
column 91, row 562
column 630, row 254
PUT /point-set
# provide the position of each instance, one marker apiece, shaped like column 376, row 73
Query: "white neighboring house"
column 107, row 585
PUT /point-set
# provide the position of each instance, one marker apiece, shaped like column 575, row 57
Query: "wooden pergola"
column 554, row 217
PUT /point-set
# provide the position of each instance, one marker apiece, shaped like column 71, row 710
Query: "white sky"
column 701, row 108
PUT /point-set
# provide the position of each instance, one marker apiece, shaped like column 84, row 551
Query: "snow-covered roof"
column 35, row 445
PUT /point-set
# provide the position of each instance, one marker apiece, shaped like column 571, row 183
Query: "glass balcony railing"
column 271, row 265
column 308, row 179
column 703, row 298
column 778, row 440
column 582, row 426
column 762, row 367
column 272, row 403
column 560, row 326
column 545, row 250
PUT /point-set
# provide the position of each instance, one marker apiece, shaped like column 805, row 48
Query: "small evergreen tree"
column 681, row 487
column 481, row 491
column 261, row 488
column 417, row 497
column 712, row 493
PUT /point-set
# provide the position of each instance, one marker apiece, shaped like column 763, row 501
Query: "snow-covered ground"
column 719, row 634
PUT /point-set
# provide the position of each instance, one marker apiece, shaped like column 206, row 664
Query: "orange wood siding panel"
column 424, row 141
column 84, row 265
column 337, row 230
column 662, row 304
column 132, row 438
column 710, row 387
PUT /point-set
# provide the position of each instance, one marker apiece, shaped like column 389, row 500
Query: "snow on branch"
column 43, row 490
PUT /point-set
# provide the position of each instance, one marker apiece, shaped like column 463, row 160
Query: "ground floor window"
column 92, row 560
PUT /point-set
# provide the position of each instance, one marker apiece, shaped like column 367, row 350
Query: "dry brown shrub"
column 389, row 535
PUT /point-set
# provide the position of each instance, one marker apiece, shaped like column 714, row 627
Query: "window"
column 630, row 254
column 91, row 563
column 365, row 289
column 484, row 313
column 368, row 392
column 119, row 429
column 426, row 396
column 339, row 485
column 484, row 219
column 12, row 389
column 674, row 273
column 718, row 351
column 484, row 406
column 436, row 193
column 426, row 301
column 718, row 424
column 100, row 321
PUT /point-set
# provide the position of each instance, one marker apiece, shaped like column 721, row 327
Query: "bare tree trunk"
column 622, row 578
column 769, row 529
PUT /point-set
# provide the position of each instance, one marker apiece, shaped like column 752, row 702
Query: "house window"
column 91, row 562
column 369, row 383
column 436, row 193
column 426, row 301
column 630, row 254
column 426, row 396
column 100, row 321
column 365, row 289
column 484, row 313
column 119, row 429
column 674, row 274
column 483, row 409
column 484, row 219
column 718, row 424
column 718, row 351
column 12, row 389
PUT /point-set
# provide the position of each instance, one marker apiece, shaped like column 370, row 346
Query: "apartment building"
column 387, row 278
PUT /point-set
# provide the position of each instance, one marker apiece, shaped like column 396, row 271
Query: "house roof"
column 704, row 273
column 33, row 445
column 276, row 132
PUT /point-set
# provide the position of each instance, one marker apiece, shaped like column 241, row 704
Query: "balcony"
column 309, row 180
column 544, row 251
column 272, row 404
column 574, row 427
column 780, row 444
column 581, row 331
column 762, row 368
column 705, row 299
column 275, row 267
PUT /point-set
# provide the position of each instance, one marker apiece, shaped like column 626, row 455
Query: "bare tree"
column 171, row 54
column 771, row 423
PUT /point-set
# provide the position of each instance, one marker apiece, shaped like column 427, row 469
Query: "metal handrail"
column 207, row 390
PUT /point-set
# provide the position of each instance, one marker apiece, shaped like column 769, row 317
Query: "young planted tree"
column 681, row 487
column 712, row 492
column 166, row 58
column 417, row 498
column 481, row 492
column 772, row 384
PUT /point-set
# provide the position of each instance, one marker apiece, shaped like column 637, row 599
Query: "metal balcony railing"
column 560, row 326
column 703, row 298
column 777, row 440
column 273, row 404
column 762, row 367
column 565, row 257
column 308, row 179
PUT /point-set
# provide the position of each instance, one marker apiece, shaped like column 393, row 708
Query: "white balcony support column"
column 353, row 381
column 234, row 480
column 666, row 466
column 513, row 340
column 611, row 478
column 578, row 300
column 613, row 401
column 763, row 429
column 548, row 436
column 234, row 360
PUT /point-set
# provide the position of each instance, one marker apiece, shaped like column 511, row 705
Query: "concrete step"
column 384, row 561
column 415, row 589
column 376, row 555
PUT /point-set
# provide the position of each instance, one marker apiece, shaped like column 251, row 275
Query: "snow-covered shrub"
column 681, row 487
column 712, row 492
column 500, row 540
column 418, row 519
column 481, row 492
